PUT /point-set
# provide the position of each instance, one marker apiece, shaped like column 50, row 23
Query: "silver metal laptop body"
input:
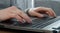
column 46, row 25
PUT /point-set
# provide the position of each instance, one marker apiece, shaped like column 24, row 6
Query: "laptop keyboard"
column 36, row 23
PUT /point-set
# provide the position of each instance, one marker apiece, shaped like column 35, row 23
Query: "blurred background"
column 24, row 4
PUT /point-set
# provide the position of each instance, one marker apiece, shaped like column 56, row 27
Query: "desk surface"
column 5, row 30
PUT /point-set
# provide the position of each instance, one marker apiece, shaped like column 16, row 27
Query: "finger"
column 25, row 17
column 51, row 13
column 40, row 9
column 18, row 18
column 38, row 14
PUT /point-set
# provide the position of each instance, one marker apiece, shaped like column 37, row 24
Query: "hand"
column 39, row 11
column 13, row 12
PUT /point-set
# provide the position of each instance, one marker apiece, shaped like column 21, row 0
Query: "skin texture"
column 14, row 12
column 39, row 11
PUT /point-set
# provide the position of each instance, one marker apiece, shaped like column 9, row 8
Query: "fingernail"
column 23, row 21
column 45, row 15
column 20, row 21
column 42, row 16
column 52, row 17
column 30, row 21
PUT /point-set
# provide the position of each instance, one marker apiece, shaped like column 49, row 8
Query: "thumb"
column 38, row 14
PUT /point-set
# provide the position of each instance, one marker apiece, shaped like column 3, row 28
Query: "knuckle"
column 21, row 12
column 13, row 15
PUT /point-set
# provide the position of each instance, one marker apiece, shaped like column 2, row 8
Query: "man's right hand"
column 13, row 12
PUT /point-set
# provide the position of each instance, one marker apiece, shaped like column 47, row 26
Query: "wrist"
column 27, row 11
column 30, row 12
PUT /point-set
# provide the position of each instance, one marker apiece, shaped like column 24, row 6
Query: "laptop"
column 45, row 25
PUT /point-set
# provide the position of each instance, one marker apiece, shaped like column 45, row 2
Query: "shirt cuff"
column 27, row 10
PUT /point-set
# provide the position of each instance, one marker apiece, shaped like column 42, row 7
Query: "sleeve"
column 27, row 10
